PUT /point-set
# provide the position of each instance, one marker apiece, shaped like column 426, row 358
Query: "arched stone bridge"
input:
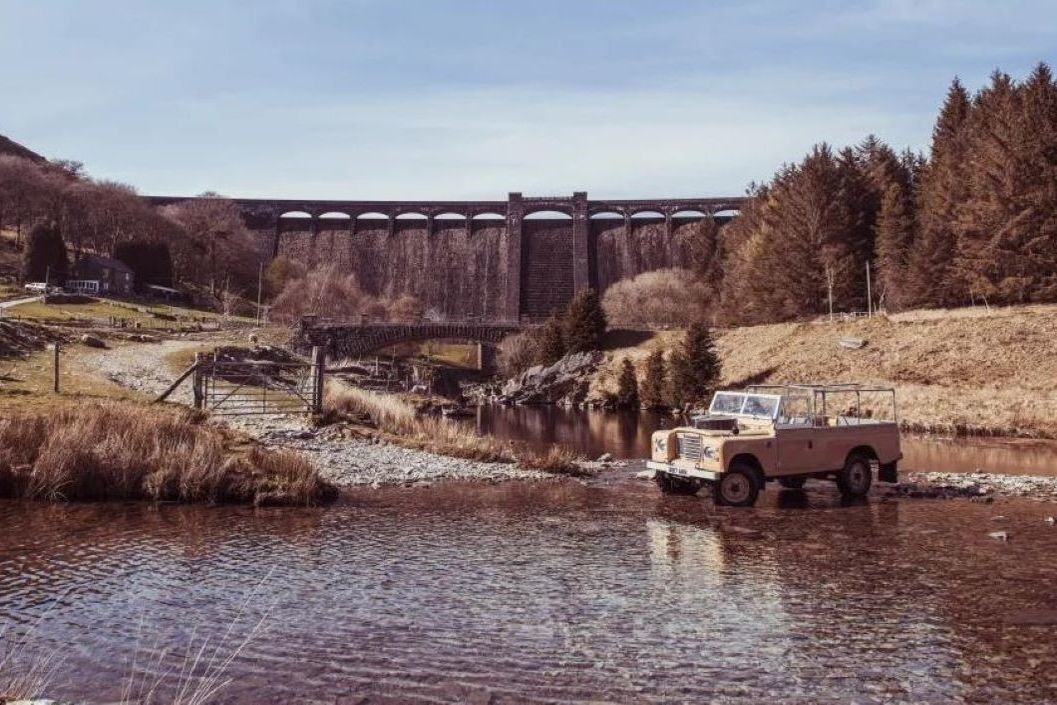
column 341, row 340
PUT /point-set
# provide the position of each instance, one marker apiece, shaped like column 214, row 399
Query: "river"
column 625, row 435
column 602, row 591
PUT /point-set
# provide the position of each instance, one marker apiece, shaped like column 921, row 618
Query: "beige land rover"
column 788, row 433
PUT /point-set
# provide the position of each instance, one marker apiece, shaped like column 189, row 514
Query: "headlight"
column 710, row 452
column 660, row 443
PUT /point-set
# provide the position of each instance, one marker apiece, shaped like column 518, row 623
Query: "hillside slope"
column 967, row 371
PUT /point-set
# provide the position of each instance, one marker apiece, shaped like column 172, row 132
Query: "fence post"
column 319, row 359
column 55, row 368
column 196, row 384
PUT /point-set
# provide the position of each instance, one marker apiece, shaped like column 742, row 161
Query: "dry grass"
column 957, row 372
column 401, row 424
column 108, row 451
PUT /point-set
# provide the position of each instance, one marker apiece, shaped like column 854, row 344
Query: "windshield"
column 755, row 405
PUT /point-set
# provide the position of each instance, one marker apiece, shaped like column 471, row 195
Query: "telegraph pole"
column 260, row 281
column 869, row 295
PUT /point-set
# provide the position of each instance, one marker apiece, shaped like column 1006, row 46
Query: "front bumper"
column 680, row 471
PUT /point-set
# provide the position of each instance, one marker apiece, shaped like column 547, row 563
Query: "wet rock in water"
column 91, row 341
column 998, row 518
column 644, row 475
column 1000, row 535
column 744, row 532
column 605, row 458
column 1050, row 520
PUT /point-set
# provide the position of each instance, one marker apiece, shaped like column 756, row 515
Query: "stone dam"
column 494, row 261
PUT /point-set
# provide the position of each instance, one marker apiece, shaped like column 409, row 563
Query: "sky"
column 471, row 99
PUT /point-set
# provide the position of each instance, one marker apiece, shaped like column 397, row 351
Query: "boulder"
column 566, row 381
column 92, row 342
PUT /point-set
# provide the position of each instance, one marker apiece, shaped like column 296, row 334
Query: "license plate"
column 677, row 471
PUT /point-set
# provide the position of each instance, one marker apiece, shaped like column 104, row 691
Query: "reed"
column 115, row 451
column 401, row 424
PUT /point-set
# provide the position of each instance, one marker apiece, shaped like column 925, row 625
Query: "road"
column 18, row 302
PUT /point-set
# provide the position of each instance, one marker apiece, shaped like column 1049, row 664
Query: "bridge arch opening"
column 449, row 216
column 489, row 216
column 411, row 216
column 335, row 215
column 548, row 215
column 295, row 214
column 690, row 213
column 607, row 215
column 727, row 213
column 647, row 214
column 373, row 215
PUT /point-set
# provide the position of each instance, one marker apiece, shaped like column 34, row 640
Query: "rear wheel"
column 855, row 477
column 737, row 487
column 792, row 482
column 675, row 485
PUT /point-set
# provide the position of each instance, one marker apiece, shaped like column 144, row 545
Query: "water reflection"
column 627, row 435
column 548, row 592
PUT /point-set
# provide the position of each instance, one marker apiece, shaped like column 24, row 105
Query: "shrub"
column 662, row 298
column 552, row 345
column 585, row 322
column 518, row 352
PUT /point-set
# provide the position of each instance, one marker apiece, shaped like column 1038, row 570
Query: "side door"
column 798, row 450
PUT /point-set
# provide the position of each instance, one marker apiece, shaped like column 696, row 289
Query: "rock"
column 567, row 381
column 998, row 518
column 644, row 475
column 1050, row 520
column 605, row 458
column 91, row 341
column 1000, row 535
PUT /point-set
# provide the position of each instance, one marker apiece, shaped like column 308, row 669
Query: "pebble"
column 1000, row 535
column 1050, row 520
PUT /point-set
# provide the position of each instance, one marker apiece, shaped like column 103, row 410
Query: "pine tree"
column 942, row 191
column 552, row 346
column 695, row 366
column 653, row 387
column 627, row 386
column 44, row 256
column 892, row 237
column 585, row 322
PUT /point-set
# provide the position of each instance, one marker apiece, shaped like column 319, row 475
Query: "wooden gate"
column 258, row 387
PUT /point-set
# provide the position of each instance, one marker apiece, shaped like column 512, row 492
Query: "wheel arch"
column 751, row 461
column 865, row 450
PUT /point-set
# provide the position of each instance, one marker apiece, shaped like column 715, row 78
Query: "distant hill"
column 8, row 146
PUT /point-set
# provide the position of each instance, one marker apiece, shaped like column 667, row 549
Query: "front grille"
column 689, row 446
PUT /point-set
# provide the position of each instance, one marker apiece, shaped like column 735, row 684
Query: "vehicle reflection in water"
column 593, row 432
column 544, row 592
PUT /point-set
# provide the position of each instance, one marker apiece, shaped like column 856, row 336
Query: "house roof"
column 108, row 262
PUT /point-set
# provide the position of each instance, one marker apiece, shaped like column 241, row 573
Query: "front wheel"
column 737, row 488
column 675, row 485
column 855, row 477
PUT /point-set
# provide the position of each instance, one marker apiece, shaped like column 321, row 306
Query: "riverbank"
column 959, row 372
column 344, row 455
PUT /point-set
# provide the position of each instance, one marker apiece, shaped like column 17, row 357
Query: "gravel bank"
column 976, row 484
column 344, row 461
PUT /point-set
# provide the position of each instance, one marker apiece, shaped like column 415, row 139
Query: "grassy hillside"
column 968, row 371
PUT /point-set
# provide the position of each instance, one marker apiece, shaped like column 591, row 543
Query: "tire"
column 793, row 482
column 856, row 476
column 675, row 485
column 737, row 487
